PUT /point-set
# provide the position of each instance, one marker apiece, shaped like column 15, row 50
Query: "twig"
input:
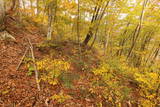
column 46, row 102
column 34, row 64
column 22, row 58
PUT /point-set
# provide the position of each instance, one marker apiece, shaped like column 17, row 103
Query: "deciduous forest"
column 79, row 53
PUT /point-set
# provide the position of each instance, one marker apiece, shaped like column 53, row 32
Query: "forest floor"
column 17, row 89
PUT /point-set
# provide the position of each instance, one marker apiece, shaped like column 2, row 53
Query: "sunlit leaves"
column 61, row 97
column 149, row 84
column 52, row 69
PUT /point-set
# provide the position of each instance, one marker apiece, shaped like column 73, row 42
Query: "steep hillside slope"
column 19, row 89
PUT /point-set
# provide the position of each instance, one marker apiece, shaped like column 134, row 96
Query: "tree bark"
column 90, row 32
column 98, row 24
column 31, row 4
column 2, row 14
column 97, row 16
column 13, row 5
column 23, row 4
column 38, row 11
column 137, row 29
column 49, row 34
column 52, row 8
column 88, row 37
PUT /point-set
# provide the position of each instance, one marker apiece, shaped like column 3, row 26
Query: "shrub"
column 52, row 69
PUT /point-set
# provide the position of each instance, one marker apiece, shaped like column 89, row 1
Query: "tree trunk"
column 14, row 3
column 49, row 34
column 137, row 29
column 90, row 32
column 2, row 15
column 97, row 16
column 52, row 8
column 37, row 3
column 31, row 4
column 23, row 4
column 88, row 37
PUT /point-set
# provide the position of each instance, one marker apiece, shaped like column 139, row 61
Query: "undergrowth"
column 111, row 82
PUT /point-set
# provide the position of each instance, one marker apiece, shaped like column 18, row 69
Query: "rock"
column 6, row 36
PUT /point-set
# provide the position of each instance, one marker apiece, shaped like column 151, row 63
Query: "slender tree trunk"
column 49, row 34
column 145, row 41
column 106, row 41
column 97, row 16
column 90, row 32
column 123, row 40
column 14, row 4
column 52, row 8
column 78, row 32
column 37, row 3
column 44, row 10
column 99, row 21
column 88, row 37
column 78, row 35
column 2, row 15
column 137, row 29
column 31, row 3
column 156, row 53
column 23, row 3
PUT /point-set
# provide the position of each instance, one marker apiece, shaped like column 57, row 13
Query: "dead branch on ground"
column 34, row 64
column 22, row 58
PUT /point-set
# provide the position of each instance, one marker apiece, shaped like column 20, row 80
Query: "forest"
column 79, row 53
